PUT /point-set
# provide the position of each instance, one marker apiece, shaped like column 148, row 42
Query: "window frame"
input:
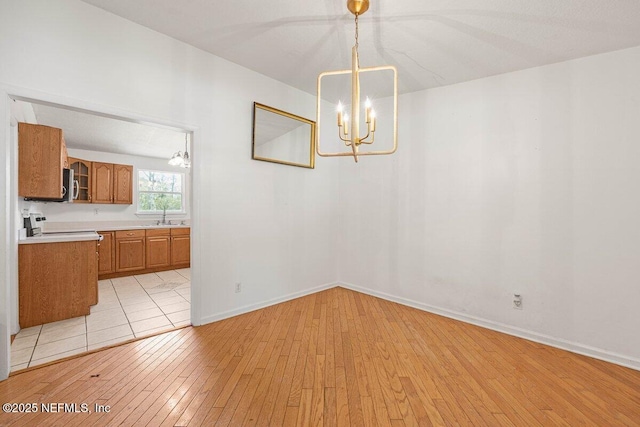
column 183, row 193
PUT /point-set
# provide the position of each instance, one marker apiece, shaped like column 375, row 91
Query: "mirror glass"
column 282, row 137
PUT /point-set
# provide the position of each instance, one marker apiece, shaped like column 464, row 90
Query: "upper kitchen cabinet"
column 101, row 182
column 111, row 183
column 82, row 174
column 123, row 184
column 42, row 155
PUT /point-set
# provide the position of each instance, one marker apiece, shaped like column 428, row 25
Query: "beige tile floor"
column 128, row 307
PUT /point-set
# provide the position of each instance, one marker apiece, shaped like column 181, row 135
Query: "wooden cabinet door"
column 180, row 251
column 40, row 161
column 130, row 250
column 82, row 174
column 123, row 184
column 101, row 182
column 158, row 251
column 130, row 254
column 106, row 250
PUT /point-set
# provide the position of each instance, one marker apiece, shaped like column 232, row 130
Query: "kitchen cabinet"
column 123, row 184
column 111, row 183
column 101, row 182
column 82, row 174
column 138, row 251
column 180, row 247
column 106, row 253
column 158, row 248
column 42, row 154
column 130, row 250
column 56, row 281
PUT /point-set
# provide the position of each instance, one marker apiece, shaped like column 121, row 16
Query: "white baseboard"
column 607, row 356
column 252, row 307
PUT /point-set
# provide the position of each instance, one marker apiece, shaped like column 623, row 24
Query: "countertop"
column 139, row 227
column 63, row 232
column 59, row 237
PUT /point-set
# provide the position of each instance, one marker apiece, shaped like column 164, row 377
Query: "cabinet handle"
column 129, row 234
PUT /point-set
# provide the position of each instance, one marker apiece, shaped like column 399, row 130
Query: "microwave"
column 70, row 189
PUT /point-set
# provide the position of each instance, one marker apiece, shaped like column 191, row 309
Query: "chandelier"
column 349, row 127
column 179, row 158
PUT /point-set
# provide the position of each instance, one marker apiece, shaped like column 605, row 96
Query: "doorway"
column 131, row 306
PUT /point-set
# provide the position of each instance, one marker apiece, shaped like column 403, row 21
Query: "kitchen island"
column 58, row 276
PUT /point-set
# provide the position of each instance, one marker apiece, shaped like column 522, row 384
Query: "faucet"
column 164, row 218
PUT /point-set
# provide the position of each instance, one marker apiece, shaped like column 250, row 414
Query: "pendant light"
column 179, row 158
column 349, row 127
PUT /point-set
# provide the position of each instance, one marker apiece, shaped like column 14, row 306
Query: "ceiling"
column 431, row 42
column 90, row 131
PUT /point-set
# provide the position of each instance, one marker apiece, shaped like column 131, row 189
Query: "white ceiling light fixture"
column 179, row 158
column 352, row 137
column 176, row 159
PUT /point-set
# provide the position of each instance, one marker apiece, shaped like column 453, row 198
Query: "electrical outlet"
column 517, row 301
column 238, row 287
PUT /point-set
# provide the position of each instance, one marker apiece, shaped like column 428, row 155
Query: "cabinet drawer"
column 158, row 232
column 130, row 234
column 180, row 231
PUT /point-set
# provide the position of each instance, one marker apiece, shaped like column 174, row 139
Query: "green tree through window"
column 158, row 191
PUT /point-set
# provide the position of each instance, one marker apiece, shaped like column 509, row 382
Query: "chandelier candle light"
column 351, row 137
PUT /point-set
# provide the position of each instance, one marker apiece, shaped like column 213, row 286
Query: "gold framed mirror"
column 281, row 137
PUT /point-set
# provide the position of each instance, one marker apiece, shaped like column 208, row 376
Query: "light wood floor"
column 333, row 358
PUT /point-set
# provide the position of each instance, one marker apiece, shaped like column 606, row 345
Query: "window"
column 160, row 191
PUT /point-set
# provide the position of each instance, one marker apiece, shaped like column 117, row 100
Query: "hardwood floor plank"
column 262, row 406
column 304, row 410
column 317, row 402
column 244, row 403
column 282, row 399
column 335, row 358
column 330, row 417
column 291, row 417
column 342, row 398
column 234, row 399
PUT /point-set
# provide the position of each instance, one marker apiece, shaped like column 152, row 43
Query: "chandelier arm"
column 343, row 135
column 369, row 142
column 344, row 139
column 369, row 132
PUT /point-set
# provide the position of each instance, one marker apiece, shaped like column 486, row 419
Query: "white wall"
column 528, row 182
column 266, row 225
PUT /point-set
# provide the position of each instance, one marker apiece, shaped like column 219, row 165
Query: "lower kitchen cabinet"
column 56, row 281
column 180, row 247
column 158, row 248
column 130, row 250
column 107, row 253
